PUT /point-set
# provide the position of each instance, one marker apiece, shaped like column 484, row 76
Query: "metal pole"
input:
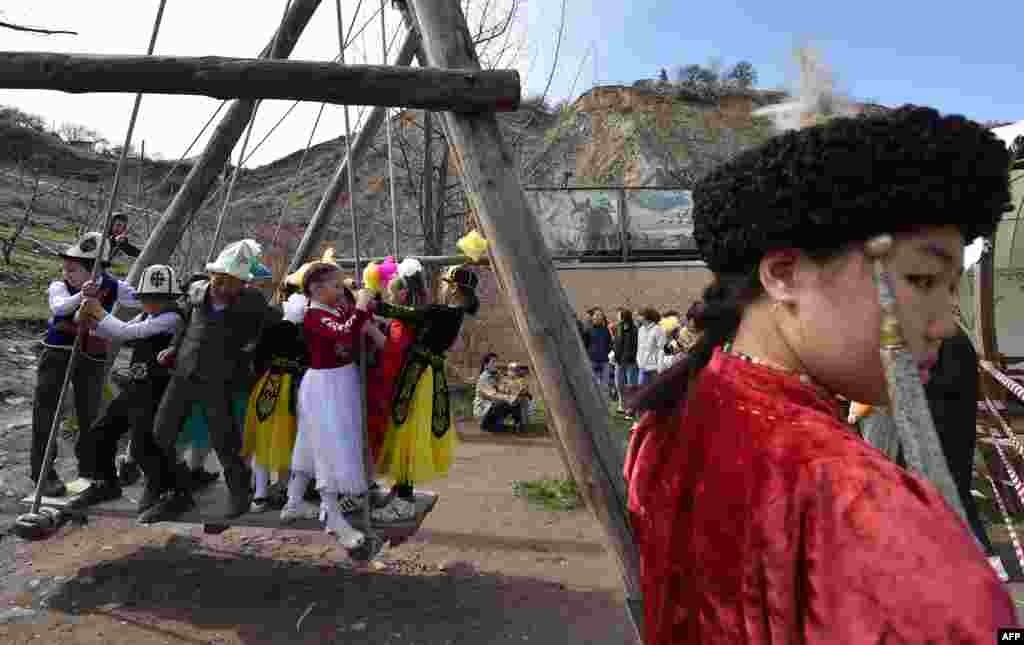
column 50, row 454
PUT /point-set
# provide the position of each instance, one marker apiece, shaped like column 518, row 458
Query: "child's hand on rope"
column 90, row 289
column 363, row 299
column 92, row 312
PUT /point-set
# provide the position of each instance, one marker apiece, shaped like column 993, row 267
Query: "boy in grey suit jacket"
column 225, row 318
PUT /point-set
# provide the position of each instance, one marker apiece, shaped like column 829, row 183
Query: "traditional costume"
column 330, row 442
column 420, row 441
column 212, row 365
column 141, row 390
column 87, row 379
column 270, row 420
column 760, row 516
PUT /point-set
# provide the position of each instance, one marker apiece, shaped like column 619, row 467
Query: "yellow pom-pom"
column 473, row 245
column 371, row 277
column 670, row 324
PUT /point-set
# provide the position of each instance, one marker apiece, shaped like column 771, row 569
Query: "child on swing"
column 270, row 421
column 329, row 445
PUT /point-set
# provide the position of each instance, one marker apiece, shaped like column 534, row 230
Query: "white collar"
column 313, row 304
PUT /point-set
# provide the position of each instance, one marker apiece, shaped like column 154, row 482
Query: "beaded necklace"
column 804, row 378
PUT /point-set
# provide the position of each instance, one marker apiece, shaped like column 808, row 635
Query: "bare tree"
column 76, row 132
column 8, row 244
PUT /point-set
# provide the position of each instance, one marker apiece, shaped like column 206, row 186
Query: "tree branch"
column 35, row 30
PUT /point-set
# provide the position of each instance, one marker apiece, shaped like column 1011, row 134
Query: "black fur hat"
column 848, row 180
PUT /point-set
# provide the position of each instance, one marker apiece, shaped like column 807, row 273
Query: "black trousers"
column 88, row 388
column 495, row 417
column 225, row 434
column 132, row 410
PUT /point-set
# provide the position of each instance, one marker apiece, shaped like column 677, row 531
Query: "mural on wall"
column 659, row 219
column 575, row 222
column 588, row 221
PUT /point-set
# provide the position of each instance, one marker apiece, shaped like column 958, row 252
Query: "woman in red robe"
column 761, row 516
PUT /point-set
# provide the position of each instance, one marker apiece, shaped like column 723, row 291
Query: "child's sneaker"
column 349, row 504
column 348, row 537
column 298, row 511
column 397, row 510
column 260, row 505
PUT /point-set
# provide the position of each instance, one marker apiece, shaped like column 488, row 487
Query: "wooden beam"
column 539, row 305
column 168, row 231
column 251, row 78
column 317, row 227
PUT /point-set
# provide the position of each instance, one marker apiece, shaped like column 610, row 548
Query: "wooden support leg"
column 539, row 305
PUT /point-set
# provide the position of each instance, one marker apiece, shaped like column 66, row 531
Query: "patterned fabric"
column 436, row 327
column 761, row 518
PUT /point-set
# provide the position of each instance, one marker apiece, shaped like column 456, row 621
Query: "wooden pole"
column 984, row 320
column 539, row 304
column 168, row 231
column 251, row 78
column 317, row 227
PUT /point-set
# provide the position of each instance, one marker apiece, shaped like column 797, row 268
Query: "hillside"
column 651, row 134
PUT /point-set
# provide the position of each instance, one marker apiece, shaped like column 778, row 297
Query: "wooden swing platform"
column 212, row 501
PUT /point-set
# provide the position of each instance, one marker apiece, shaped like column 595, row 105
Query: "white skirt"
column 329, row 444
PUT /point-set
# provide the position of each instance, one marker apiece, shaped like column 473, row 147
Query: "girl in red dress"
column 761, row 516
column 329, row 444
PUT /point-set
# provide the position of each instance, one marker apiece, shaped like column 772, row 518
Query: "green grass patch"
column 32, row 269
column 552, row 494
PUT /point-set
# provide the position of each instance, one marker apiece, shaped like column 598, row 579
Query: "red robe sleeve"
column 887, row 561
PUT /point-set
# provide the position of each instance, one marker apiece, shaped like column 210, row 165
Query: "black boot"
column 128, row 471
column 239, row 481
column 53, row 486
column 169, row 508
column 150, row 497
column 100, row 491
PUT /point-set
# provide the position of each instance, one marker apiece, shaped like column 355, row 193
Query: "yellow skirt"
column 270, row 426
column 411, row 454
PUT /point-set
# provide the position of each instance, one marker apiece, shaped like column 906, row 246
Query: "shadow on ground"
column 261, row 600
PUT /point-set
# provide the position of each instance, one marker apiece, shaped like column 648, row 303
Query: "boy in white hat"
column 65, row 297
column 224, row 319
column 148, row 334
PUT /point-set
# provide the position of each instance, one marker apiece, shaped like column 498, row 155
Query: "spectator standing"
column 626, row 372
column 649, row 345
column 599, row 346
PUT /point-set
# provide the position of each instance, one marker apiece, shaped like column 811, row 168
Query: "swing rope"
column 359, row 120
column 295, row 179
column 387, row 130
column 245, row 144
column 76, row 349
column 370, row 534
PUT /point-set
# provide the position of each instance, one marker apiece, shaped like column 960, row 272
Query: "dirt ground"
column 486, row 567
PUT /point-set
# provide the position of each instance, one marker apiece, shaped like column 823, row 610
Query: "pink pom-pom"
column 387, row 270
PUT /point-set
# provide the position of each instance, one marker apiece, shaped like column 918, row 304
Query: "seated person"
column 492, row 405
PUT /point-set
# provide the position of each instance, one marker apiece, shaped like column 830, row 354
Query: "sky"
column 239, row 28
column 890, row 52
column 957, row 57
